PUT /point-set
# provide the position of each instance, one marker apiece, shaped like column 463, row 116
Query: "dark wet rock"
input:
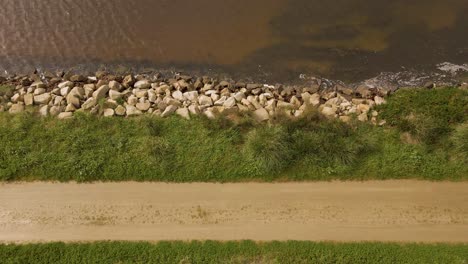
column 344, row 89
column 252, row 86
column 128, row 81
column 78, row 78
column 100, row 74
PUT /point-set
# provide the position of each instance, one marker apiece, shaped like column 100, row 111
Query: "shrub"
column 6, row 90
column 427, row 114
column 269, row 148
column 459, row 140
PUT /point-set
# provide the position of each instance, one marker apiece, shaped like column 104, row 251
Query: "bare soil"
column 406, row 211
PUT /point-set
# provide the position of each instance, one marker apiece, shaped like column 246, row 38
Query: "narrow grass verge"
column 233, row 252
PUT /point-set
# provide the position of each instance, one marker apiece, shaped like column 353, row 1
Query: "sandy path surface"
column 339, row 211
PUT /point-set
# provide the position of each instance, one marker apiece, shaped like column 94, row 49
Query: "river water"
column 273, row 39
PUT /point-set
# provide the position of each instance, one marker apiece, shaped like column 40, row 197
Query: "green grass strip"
column 426, row 139
column 233, row 252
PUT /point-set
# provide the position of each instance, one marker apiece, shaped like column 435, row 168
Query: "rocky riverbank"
column 62, row 95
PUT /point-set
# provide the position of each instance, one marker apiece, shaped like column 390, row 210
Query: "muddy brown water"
column 270, row 39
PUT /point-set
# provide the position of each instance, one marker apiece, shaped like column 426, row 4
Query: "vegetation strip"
column 234, row 252
column 426, row 138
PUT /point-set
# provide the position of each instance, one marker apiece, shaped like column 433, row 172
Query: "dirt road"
column 339, row 211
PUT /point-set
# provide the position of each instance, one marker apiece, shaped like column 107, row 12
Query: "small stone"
column 239, row 96
column 195, row 110
column 65, row 115
column 209, row 113
column 132, row 111
column 328, row 111
column 363, row 117
column 230, row 102
column 90, row 103
column 115, row 95
column 90, row 86
column 143, row 106
column 66, row 84
column 132, row 100
column 143, row 84
column 261, row 115
column 284, row 105
column 72, row 99
column 178, row 95
column 140, row 93
column 183, row 112
column 120, row 110
column 42, row 98
column 101, row 92
column 28, row 99
column 191, row 96
column 128, row 81
column 115, row 86
column 55, row 110
column 44, row 111
column 77, row 78
column 108, row 112
column 16, row 98
column 64, row 91
column 39, row 91
column 363, row 108
column 379, row 100
column 205, row 100
column 169, row 110
column 70, row 108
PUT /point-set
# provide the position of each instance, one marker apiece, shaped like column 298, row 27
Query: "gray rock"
column 115, row 86
column 101, row 92
column 55, row 110
column 140, row 93
column 65, row 115
column 143, row 106
column 132, row 111
column 379, row 100
column 42, row 98
column 73, row 99
column 143, row 84
column 28, row 99
column 39, row 91
column 77, row 78
column 132, row 100
column 363, row 117
column 115, row 95
column 183, row 112
column 128, row 81
column 70, row 108
column 120, row 110
column 90, row 103
column 108, row 112
column 191, row 96
column 261, row 115
column 64, row 91
column 230, row 102
column 169, row 110
column 66, row 84
column 329, row 111
column 194, row 109
column 178, row 95
column 205, row 100
column 44, row 111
